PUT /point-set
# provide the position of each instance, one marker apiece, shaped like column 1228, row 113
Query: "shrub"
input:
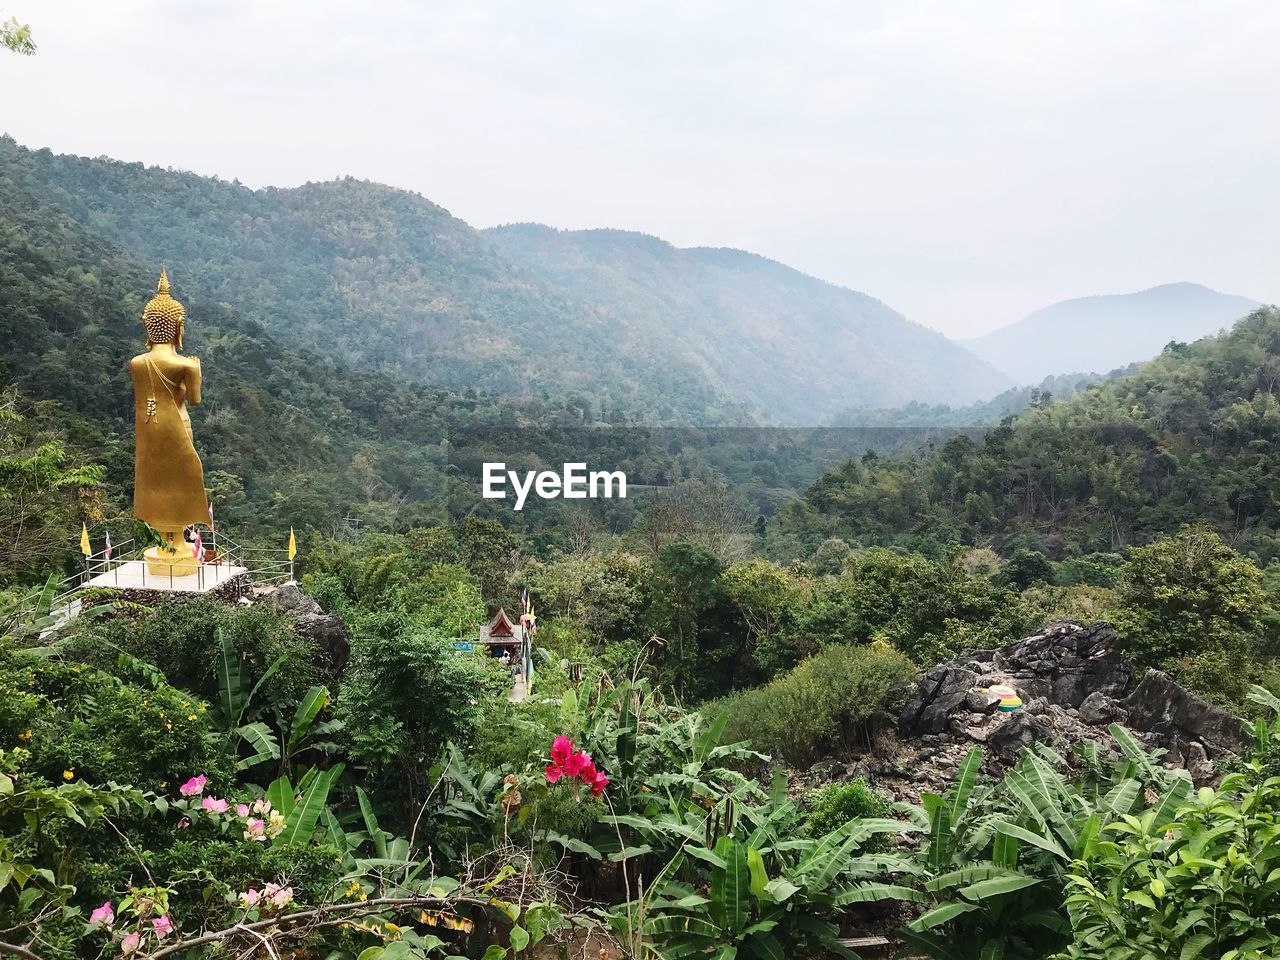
column 836, row 804
column 1093, row 570
column 1196, row 886
column 77, row 720
column 829, row 703
column 1187, row 594
column 910, row 600
column 181, row 639
column 404, row 696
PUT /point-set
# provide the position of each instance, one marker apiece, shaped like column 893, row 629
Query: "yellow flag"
column 293, row 545
column 84, row 540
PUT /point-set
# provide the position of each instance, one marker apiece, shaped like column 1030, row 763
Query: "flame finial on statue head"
column 163, row 316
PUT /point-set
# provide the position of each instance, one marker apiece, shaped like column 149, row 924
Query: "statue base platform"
column 139, row 575
column 164, row 562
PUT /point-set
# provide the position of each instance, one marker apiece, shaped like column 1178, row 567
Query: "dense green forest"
column 293, row 438
column 1191, row 436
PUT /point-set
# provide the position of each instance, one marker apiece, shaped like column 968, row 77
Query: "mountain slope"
column 382, row 278
column 372, row 276
column 1192, row 436
column 1096, row 334
column 796, row 346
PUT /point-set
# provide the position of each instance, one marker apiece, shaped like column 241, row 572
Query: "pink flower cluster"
column 195, row 786
column 105, row 915
column 261, row 823
column 272, row 896
column 568, row 761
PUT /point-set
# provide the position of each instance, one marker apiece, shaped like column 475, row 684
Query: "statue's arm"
column 193, row 383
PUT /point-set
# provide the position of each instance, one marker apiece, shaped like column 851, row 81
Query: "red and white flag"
column 197, row 548
column 107, row 553
column 212, row 528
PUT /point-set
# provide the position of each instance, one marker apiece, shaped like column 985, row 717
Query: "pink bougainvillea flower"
column 250, row 897
column 129, row 943
column 598, row 782
column 262, row 806
column 193, row 787
column 104, row 914
column 561, row 750
column 242, row 809
column 277, row 894
column 255, row 829
column 577, row 762
column 554, row 773
column 214, row 805
column 184, row 823
column 162, row 925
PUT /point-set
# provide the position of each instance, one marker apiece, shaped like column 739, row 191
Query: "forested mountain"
column 1096, row 334
column 385, row 279
column 791, row 344
column 1191, row 436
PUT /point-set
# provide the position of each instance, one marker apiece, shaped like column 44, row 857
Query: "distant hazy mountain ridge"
column 1097, row 334
column 378, row 277
column 762, row 332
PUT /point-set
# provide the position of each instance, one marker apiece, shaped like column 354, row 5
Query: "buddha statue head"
column 163, row 316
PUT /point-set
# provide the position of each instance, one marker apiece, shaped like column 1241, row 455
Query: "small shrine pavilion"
column 502, row 635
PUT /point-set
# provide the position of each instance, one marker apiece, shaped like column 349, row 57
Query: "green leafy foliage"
column 831, row 702
column 836, row 804
column 1188, row 437
column 1195, row 878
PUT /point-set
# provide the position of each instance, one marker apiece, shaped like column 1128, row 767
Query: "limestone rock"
column 290, row 598
column 1177, row 717
column 1063, row 663
column 1198, row 764
column 981, row 700
column 1099, row 709
column 1018, row 730
column 940, row 691
column 329, row 633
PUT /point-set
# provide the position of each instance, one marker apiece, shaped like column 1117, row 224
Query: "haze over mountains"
column 638, row 330
column 758, row 329
column 376, row 276
column 1100, row 333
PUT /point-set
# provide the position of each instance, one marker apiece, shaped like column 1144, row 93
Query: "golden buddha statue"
column 168, row 483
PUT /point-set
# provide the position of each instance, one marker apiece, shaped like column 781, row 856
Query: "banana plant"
column 242, row 723
column 999, row 856
column 304, row 805
column 765, row 897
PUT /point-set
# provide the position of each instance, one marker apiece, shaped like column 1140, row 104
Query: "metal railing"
column 261, row 565
column 265, row 565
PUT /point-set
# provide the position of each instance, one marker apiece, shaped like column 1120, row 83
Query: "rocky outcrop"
column 941, row 692
column 327, row 631
column 1181, row 720
column 288, row 597
column 1072, row 683
column 1064, row 663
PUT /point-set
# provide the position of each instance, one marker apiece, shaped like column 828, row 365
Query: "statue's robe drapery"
column 168, row 487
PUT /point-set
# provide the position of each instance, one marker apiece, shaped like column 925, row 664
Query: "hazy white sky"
column 964, row 162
